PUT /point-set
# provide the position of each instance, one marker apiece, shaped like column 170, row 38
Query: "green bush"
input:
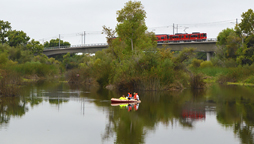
column 31, row 68
column 206, row 64
column 250, row 79
column 196, row 62
column 230, row 63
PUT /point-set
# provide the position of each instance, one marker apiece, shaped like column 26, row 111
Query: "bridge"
column 208, row 47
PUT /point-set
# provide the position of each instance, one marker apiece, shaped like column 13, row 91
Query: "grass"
column 240, row 83
column 241, row 75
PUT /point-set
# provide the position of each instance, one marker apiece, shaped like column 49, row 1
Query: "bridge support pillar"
column 209, row 55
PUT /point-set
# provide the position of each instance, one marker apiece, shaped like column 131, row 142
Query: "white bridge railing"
column 76, row 46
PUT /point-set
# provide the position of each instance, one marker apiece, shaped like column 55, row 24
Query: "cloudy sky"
column 43, row 20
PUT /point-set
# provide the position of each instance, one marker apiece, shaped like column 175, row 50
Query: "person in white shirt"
column 137, row 97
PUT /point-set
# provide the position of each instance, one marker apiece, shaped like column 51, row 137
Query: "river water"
column 52, row 113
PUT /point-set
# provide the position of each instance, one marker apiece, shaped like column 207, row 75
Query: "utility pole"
column 173, row 29
column 236, row 22
column 59, row 40
column 177, row 29
column 84, row 37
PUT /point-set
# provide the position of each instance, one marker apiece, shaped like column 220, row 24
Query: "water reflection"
column 131, row 123
column 11, row 107
column 128, row 106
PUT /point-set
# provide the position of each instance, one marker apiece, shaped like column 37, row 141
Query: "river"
column 52, row 113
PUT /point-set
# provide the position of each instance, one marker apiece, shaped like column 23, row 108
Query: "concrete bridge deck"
column 206, row 46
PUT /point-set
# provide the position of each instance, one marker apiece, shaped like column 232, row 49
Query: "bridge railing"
column 102, row 44
column 211, row 39
column 75, row 46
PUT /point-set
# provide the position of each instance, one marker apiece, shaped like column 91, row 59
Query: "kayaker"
column 130, row 96
column 135, row 94
column 123, row 97
column 137, row 97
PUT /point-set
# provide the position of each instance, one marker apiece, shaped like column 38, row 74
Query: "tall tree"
column 16, row 38
column 228, row 43
column 5, row 26
column 131, row 26
column 246, row 28
column 247, row 23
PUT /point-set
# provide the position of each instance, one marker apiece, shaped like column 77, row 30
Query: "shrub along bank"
column 17, row 63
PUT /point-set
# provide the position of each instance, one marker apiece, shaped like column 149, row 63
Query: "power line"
column 177, row 26
column 195, row 24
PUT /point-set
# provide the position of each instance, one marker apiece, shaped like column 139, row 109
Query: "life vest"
column 135, row 96
column 130, row 95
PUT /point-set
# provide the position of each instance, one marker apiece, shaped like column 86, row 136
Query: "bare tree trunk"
column 131, row 45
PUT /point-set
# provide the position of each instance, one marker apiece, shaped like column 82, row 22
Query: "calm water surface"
column 55, row 113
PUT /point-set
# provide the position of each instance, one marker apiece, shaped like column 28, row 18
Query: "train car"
column 181, row 37
column 162, row 38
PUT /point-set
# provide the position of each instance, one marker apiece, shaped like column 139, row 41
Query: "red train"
column 181, row 37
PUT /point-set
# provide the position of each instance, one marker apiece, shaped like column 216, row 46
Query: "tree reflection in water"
column 234, row 107
column 11, row 107
column 31, row 95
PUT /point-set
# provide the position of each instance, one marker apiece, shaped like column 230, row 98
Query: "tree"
column 246, row 29
column 131, row 26
column 247, row 23
column 16, row 38
column 66, row 59
column 55, row 43
column 5, row 27
column 228, row 42
column 110, row 37
column 35, row 46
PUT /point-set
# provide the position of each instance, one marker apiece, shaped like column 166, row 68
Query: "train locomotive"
column 181, row 37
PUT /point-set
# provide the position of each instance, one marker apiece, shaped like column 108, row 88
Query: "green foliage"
column 206, row 64
column 250, row 79
column 35, row 47
column 247, row 22
column 66, row 60
column 5, row 27
column 228, row 44
column 196, row 63
column 35, row 68
column 131, row 27
column 8, row 82
column 212, row 71
column 71, row 61
column 223, row 35
column 230, row 63
column 201, row 55
column 102, row 67
column 184, row 55
column 55, row 43
column 197, row 82
column 16, row 38
column 40, row 58
column 3, row 58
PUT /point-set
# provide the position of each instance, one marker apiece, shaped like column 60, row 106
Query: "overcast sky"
column 43, row 20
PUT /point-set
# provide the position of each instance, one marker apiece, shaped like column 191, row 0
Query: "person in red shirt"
column 135, row 95
column 130, row 96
